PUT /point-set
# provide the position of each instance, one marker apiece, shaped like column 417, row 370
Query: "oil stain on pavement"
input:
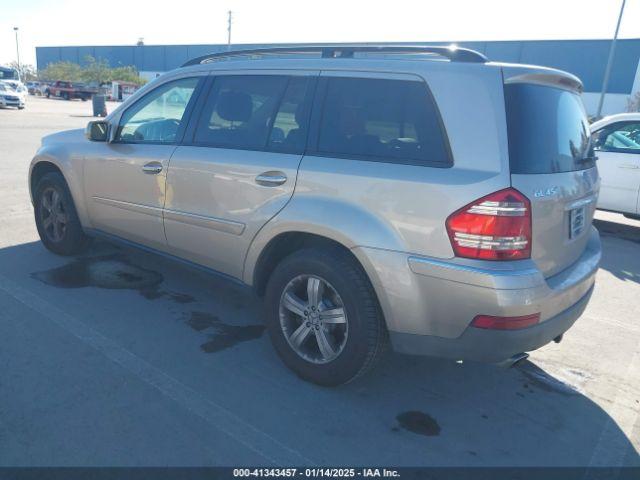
column 113, row 272
column 419, row 422
column 222, row 335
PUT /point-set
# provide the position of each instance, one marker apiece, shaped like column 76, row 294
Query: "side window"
column 158, row 115
column 620, row 137
column 392, row 121
column 240, row 111
column 289, row 132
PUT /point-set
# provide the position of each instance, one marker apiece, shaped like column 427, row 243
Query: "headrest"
column 235, row 106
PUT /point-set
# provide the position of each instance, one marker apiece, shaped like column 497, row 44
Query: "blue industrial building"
column 585, row 58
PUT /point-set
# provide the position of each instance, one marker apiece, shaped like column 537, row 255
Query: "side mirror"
column 97, row 131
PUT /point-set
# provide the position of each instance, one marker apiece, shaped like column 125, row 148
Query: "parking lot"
column 122, row 358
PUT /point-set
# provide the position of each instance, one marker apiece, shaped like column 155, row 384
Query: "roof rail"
column 453, row 53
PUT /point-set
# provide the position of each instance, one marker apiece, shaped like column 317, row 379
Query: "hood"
column 65, row 136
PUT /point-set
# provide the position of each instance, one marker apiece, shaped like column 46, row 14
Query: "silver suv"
column 421, row 195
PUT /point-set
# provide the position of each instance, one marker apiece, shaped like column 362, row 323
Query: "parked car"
column 617, row 143
column 33, row 88
column 43, row 88
column 70, row 90
column 17, row 86
column 446, row 206
column 11, row 95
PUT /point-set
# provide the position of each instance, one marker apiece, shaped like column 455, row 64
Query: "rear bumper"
column 429, row 303
column 491, row 346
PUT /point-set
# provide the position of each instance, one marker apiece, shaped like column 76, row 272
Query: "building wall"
column 586, row 59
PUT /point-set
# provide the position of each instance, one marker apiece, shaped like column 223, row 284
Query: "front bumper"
column 430, row 303
column 11, row 102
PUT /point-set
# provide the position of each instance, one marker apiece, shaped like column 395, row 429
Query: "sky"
column 122, row 22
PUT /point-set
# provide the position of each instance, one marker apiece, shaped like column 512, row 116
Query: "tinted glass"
column 240, row 111
column 157, row 116
column 620, row 137
column 289, row 132
column 382, row 120
column 548, row 130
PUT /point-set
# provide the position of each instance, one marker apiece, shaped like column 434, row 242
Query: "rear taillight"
column 495, row 227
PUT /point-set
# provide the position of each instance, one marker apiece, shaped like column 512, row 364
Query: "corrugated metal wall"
column 584, row 58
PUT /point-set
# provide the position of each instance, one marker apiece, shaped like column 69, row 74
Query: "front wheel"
column 56, row 218
column 323, row 316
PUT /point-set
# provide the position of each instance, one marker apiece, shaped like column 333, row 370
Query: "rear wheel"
column 56, row 218
column 323, row 316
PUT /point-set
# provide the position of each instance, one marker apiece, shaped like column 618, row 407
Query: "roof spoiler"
column 454, row 54
column 543, row 76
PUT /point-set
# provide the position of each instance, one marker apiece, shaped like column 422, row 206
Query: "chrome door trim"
column 580, row 203
column 133, row 207
column 213, row 223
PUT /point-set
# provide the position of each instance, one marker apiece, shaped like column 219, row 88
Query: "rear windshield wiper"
column 591, row 158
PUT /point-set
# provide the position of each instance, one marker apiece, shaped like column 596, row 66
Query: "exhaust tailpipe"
column 513, row 361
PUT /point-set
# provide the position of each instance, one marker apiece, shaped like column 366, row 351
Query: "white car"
column 12, row 94
column 617, row 144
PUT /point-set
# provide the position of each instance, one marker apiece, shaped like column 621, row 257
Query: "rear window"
column 548, row 130
column 393, row 121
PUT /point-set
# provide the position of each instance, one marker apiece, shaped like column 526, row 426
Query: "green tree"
column 127, row 74
column 96, row 71
column 68, row 71
column 27, row 72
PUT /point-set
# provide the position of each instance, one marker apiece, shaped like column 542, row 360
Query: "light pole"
column 229, row 30
column 15, row 29
column 607, row 72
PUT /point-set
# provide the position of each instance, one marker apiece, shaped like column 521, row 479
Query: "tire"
column 63, row 237
column 65, row 95
column 357, row 350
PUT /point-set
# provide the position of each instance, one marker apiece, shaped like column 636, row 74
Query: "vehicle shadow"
column 620, row 239
column 410, row 411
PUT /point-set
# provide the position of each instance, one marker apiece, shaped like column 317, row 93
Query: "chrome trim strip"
column 469, row 269
column 133, row 207
column 213, row 223
column 580, row 203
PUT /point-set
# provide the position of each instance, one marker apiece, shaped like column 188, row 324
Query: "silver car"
column 419, row 195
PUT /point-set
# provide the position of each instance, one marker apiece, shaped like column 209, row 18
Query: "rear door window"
column 548, row 130
column 256, row 112
column 383, row 120
column 289, row 131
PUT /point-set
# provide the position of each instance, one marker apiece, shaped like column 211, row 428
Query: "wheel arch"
column 45, row 163
column 38, row 170
column 284, row 244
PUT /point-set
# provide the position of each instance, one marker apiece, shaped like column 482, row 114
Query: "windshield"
column 548, row 130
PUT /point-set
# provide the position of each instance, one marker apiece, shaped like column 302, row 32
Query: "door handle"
column 271, row 179
column 630, row 166
column 152, row 168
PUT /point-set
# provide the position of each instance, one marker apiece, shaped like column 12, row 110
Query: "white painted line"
column 216, row 415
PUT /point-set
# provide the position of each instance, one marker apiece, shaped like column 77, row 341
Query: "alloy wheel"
column 53, row 214
column 313, row 319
